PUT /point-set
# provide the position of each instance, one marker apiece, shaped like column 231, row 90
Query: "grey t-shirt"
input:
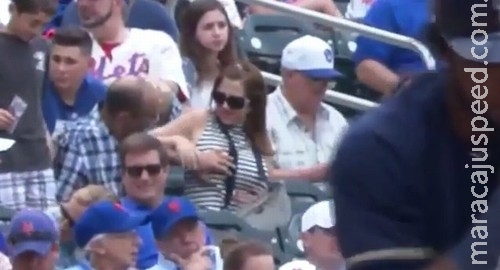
column 21, row 74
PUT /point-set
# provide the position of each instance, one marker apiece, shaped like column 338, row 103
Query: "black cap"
column 471, row 27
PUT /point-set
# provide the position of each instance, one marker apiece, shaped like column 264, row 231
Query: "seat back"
column 304, row 191
column 175, row 182
column 264, row 37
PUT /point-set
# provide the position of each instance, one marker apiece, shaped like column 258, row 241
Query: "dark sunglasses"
column 233, row 102
column 136, row 171
column 66, row 216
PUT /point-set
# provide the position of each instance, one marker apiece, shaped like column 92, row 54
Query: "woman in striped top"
column 231, row 141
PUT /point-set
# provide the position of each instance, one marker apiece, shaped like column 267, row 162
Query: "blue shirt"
column 144, row 14
column 148, row 253
column 408, row 18
column 413, row 190
column 90, row 93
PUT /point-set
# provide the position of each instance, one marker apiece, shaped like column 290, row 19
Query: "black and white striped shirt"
column 210, row 194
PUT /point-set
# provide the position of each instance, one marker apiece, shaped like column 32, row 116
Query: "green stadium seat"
column 175, row 182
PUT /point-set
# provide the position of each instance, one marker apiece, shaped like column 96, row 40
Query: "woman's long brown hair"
column 190, row 46
column 255, row 90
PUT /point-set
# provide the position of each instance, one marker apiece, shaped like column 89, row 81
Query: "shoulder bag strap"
column 230, row 181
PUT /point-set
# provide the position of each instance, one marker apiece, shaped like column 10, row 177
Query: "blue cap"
column 32, row 230
column 459, row 21
column 170, row 212
column 105, row 217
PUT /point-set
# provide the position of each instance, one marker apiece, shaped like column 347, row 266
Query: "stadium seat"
column 263, row 38
column 6, row 214
column 225, row 224
column 175, row 182
column 304, row 191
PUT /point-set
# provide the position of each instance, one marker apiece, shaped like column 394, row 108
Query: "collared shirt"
column 294, row 146
column 86, row 154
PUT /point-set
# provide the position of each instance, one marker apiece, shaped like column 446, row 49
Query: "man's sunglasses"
column 136, row 171
column 233, row 102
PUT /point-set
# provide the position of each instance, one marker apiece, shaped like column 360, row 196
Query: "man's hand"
column 6, row 119
column 197, row 261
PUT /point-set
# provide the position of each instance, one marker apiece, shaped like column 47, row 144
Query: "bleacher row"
column 263, row 37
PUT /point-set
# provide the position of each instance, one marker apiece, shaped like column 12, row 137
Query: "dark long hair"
column 255, row 90
column 190, row 46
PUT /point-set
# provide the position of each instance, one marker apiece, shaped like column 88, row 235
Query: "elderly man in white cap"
column 304, row 131
column 318, row 240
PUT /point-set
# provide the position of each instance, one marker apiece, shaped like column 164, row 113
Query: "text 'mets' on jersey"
column 401, row 185
column 146, row 53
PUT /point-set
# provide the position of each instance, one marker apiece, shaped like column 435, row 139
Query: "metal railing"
column 348, row 26
column 333, row 97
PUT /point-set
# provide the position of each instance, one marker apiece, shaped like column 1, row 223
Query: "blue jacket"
column 90, row 93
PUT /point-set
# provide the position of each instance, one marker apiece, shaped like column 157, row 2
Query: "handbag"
column 271, row 210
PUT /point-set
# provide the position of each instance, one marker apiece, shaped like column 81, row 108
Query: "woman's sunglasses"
column 233, row 102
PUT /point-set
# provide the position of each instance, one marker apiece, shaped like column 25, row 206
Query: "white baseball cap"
column 297, row 265
column 311, row 56
column 321, row 215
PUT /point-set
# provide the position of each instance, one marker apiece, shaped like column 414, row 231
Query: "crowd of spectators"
column 117, row 93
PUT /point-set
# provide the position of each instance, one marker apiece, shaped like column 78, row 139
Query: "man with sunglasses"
column 144, row 177
column 416, row 180
column 88, row 151
column 304, row 131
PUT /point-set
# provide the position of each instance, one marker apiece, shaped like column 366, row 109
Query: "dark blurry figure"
column 414, row 180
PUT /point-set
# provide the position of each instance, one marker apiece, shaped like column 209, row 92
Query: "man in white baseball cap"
column 303, row 130
column 318, row 240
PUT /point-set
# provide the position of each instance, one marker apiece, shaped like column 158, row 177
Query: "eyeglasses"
column 151, row 169
column 66, row 216
column 233, row 102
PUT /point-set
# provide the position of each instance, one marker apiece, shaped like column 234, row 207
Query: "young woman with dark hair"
column 207, row 45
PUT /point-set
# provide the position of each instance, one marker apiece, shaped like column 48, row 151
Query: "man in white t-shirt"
column 304, row 131
column 318, row 240
column 119, row 51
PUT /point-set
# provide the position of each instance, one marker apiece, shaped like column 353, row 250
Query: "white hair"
column 93, row 241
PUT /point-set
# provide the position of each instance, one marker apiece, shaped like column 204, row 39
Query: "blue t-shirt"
column 148, row 253
column 408, row 18
column 400, row 181
column 144, row 14
column 90, row 93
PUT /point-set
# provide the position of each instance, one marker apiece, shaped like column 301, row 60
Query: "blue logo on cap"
column 329, row 55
